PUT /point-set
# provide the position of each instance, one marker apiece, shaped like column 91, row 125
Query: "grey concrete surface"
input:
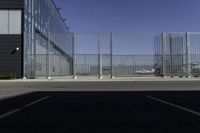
column 11, row 88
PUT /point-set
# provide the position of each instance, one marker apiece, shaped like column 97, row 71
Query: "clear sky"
column 131, row 15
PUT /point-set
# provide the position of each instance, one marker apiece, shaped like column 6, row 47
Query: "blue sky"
column 131, row 15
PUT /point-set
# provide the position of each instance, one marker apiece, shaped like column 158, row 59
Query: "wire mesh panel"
column 106, row 64
column 29, row 66
column 176, row 54
column 117, row 54
column 111, row 54
column 86, row 54
column 105, row 50
column 40, row 65
column 87, row 64
column 47, row 57
column 194, row 54
column 134, row 54
column 133, row 65
column 60, row 65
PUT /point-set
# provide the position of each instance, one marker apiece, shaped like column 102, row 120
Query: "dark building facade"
column 11, row 37
column 12, row 4
column 34, row 39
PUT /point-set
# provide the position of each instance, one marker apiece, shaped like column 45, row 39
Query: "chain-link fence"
column 114, row 54
column 111, row 54
column 43, row 65
column 45, row 56
column 141, row 54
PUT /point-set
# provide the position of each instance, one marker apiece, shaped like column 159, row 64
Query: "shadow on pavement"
column 99, row 112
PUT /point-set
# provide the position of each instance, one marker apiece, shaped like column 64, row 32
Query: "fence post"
column 100, row 57
column 74, row 55
column 48, row 57
column 24, row 55
column 111, row 55
column 171, row 55
column 187, row 54
column 163, row 55
column 34, row 53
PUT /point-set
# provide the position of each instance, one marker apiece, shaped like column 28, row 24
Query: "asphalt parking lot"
column 101, row 112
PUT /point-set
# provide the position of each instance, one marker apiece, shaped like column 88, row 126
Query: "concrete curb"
column 103, row 80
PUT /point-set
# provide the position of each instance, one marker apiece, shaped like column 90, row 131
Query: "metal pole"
column 33, row 40
column 48, row 57
column 111, row 55
column 187, row 55
column 171, row 55
column 74, row 55
column 24, row 60
column 163, row 55
column 100, row 57
column 34, row 55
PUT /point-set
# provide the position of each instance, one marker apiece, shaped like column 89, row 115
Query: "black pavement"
column 101, row 112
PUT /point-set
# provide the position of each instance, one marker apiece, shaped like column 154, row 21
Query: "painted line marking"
column 36, row 101
column 9, row 113
column 174, row 105
column 24, row 106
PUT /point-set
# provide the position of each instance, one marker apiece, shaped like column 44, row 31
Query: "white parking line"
column 174, row 105
column 9, row 113
column 24, row 106
column 36, row 101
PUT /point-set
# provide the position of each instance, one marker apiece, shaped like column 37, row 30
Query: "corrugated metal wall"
column 10, row 60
